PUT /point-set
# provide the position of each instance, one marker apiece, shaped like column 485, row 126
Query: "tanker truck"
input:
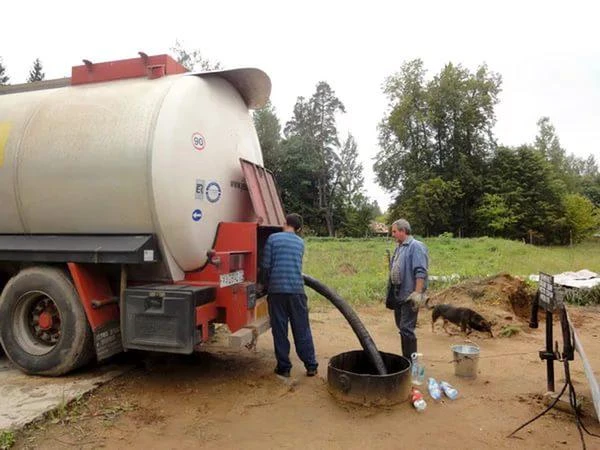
column 134, row 208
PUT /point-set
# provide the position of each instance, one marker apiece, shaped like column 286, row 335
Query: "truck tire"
column 43, row 326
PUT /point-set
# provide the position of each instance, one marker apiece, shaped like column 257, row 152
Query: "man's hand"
column 419, row 299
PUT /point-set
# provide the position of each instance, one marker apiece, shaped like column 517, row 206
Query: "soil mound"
column 502, row 299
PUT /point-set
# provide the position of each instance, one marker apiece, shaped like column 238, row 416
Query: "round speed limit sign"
column 198, row 141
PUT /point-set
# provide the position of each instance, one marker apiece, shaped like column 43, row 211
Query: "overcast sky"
column 548, row 53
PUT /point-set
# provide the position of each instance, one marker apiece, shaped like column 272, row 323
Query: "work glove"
column 418, row 299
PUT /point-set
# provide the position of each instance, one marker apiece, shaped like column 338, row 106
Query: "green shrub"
column 584, row 297
column 7, row 439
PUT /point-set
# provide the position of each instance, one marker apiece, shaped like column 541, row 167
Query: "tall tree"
column 404, row 134
column 36, row 73
column 353, row 210
column 314, row 124
column 439, row 129
column 548, row 143
column 268, row 129
column 351, row 177
column 297, row 182
column 530, row 189
column 192, row 59
column 567, row 168
column 3, row 76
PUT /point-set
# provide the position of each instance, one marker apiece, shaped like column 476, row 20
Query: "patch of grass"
column 7, row 439
column 584, row 297
column 67, row 412
column 509, row 330
column 329, row 260
column 111, row 413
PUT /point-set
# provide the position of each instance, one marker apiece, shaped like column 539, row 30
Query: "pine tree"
column 268, row 130
column 36, row 74
column 3, row 77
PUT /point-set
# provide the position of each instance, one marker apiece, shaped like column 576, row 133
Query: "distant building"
column 379, row 229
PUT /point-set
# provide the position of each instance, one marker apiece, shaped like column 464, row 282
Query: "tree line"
column 439, row 157
column 319, row 174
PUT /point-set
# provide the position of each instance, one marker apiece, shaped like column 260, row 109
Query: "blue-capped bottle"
column 434, row 390
column 418, row 369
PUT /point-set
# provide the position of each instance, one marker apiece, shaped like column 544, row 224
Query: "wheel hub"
column 44, row 321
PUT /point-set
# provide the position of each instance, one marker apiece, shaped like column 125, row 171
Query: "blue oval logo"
column 213, row 192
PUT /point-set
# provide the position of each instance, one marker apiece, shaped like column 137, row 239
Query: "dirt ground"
column 223, row 399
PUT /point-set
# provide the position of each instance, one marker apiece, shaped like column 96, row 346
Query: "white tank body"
column 132, row 156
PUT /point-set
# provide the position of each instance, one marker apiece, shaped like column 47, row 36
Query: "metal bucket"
column 351, row 377
column 465, row 360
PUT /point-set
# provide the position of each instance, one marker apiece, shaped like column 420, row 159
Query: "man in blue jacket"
column 282, row 274
column 407, row 283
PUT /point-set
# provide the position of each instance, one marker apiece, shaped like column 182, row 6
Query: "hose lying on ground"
column 357, row 326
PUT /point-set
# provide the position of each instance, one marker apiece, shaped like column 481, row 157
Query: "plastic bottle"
column 449, row 390
column 418, row 401
column 418, row 369
column 434, row 389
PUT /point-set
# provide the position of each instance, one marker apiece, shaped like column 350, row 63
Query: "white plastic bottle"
column 418, row 369
column 418, row 401
column 449, row 390
column 434, row 389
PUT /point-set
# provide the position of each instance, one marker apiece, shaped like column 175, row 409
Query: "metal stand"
column 546, row 298
column 549, row 355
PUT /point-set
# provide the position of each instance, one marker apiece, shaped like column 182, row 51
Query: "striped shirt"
column 282, row 260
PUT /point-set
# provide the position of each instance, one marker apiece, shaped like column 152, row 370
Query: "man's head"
column 293, row 222
column 400, row 230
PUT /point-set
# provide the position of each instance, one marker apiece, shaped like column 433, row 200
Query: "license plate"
column 229, row 279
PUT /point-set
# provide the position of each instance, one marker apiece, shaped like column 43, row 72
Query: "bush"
column 582, row 217
column 584, row 297
column 7, row 439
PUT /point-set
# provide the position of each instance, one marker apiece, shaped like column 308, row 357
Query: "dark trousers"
column 406, row 321
column 292, row 308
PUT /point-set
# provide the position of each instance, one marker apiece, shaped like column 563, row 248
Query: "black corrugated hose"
column 357, row 326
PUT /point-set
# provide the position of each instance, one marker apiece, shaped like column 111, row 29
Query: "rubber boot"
column 409, row 346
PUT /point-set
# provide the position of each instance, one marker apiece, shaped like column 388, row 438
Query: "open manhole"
column 352, row 377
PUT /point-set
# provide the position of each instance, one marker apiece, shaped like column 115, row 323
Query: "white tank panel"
column 15, row 112
column 82, row 163
column 206, row 126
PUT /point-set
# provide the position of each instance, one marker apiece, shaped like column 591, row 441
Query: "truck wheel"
column 43, row 327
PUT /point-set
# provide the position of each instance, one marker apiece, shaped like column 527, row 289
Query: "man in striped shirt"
column 282, row 273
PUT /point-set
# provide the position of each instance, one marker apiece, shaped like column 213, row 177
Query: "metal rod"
column 549, row 351
column 122, row 287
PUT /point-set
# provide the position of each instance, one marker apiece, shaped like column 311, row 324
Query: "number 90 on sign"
column 198, row 141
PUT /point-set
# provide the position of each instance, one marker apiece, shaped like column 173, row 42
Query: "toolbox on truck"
column 163, row 317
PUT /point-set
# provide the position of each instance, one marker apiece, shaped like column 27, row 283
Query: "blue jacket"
column 414, row 264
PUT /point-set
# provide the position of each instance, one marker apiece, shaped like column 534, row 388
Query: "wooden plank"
column 240, row 338
column 243, row 337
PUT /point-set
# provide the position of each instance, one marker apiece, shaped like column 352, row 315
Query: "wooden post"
column 570, row 237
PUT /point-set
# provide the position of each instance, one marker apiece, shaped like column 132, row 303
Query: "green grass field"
column 357, row 268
